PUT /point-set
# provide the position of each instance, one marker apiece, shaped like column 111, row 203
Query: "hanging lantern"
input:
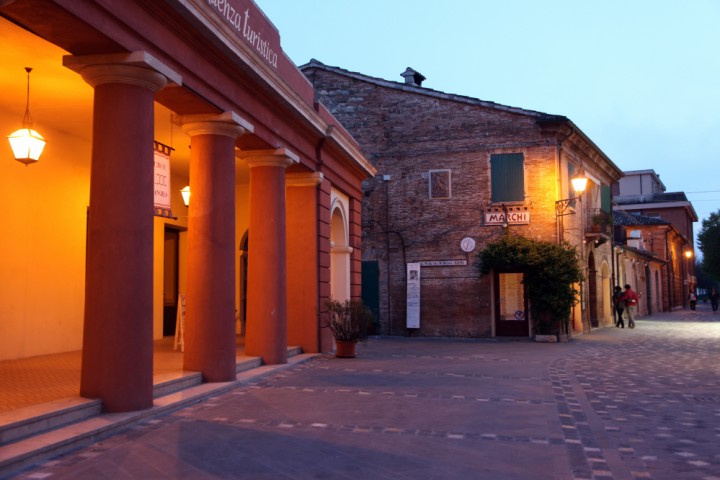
column 27, row 144
column 186, row 195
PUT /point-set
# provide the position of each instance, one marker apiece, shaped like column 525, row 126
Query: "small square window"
column 440, row 184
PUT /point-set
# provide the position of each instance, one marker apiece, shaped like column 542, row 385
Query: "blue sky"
column 640, row 77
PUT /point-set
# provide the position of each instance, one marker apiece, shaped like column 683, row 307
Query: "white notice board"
column 413, row 295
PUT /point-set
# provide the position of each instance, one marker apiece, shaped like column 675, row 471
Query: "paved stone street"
column 615, row 404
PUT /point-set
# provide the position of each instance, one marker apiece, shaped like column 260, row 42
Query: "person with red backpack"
column 631, row 300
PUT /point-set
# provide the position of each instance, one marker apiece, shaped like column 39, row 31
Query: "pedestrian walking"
column 630, row 298
column 714, row 298
column 619, row 307
column 692, row 298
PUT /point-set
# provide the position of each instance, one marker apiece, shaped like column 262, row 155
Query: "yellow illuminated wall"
column 42, row 244
column 43, row 241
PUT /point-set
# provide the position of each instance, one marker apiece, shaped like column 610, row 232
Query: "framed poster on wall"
column 413, row 295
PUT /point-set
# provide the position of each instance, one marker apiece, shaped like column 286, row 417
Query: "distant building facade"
column 658, row 223
column 454, row 174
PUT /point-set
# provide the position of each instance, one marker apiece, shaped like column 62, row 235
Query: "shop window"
column 507, row 177
column 440, row 184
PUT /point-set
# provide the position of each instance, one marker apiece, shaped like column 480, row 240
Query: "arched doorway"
column 649, row 289
column 243, row 283
column 339, row 252
column 606, row 292
column 592, row 292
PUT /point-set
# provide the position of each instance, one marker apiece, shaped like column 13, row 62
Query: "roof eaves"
column 313, row 63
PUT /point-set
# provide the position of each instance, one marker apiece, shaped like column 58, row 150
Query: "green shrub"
column 550, row 274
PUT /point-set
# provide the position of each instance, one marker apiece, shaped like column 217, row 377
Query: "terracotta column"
column 267, row 283
column 117, row 364
column 210, row 305
column 302, row 260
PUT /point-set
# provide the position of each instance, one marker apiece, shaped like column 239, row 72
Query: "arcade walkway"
column 47, row 378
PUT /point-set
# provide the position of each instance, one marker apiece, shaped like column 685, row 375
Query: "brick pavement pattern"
column 615, row 404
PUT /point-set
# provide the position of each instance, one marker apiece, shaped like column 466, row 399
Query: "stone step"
column 35, row 419
column 90, row 425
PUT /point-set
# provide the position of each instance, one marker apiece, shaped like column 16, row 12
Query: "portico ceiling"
column 61, row 101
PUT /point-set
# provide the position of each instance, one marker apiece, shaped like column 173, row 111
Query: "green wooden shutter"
column 507, row 177
column 605, row 198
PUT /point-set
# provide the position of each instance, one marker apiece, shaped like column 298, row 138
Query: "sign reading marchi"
column 511, row 218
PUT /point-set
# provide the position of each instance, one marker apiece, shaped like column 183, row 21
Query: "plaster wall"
column 42, row 246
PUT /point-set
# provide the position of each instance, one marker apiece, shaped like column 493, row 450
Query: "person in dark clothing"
column 619, row 307
column 692, row 298
column 714, row 298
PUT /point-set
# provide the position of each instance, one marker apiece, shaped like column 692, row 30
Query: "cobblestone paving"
column 615, row 404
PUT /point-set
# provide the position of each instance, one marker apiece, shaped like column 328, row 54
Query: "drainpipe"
column 318, row 211
column 386, row 180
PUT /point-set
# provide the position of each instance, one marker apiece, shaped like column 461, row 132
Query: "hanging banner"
column 161, row 181
column 413, row 295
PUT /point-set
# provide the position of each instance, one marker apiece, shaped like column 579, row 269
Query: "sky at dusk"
column 641, row 78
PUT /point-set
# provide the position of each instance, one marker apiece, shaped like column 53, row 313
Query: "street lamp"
column 579, row 183
column 185, row 192
column 690, row 270
column 26, row 143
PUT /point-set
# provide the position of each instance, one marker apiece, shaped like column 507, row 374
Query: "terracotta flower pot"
column 344, row 349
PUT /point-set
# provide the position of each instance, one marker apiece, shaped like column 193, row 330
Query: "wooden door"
column 511, row 315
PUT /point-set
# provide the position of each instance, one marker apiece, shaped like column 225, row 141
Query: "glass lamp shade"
column 27, row 145
column 579, row 184
column 186, row 195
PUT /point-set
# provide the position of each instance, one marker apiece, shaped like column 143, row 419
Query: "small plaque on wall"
column 440, row 186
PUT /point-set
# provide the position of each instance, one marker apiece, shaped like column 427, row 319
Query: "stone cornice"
column 280, row 157
column 228, row 124
column 310, row 179
column 135, row 68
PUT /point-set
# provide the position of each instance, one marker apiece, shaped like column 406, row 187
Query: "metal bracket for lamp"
column 561, row 206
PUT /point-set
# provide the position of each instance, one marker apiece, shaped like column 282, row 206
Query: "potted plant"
column 550, row 274
column 348, row 323
column 599, row 220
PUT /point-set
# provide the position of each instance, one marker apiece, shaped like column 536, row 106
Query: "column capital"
column 340, row 248
column 134, row 68
column 280, row 157
column 229, row 124
column 309, row 179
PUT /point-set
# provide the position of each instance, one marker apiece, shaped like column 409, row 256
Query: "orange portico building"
column 136, row 100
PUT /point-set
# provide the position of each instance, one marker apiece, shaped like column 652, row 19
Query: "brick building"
column 455, row 173
column 658, row 223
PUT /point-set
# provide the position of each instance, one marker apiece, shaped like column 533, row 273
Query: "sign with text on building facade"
column 251, row 25
column 443, row 263
column 413, row 295
column 161, row 181
column 511, row 218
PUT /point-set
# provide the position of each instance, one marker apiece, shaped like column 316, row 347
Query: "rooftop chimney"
column 412, row 77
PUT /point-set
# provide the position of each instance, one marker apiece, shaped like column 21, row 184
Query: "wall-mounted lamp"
column 186, row 195
column 579, row 183
column 688, row 254
column 26, row 143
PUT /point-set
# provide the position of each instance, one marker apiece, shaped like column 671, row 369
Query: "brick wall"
column 406, row 134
